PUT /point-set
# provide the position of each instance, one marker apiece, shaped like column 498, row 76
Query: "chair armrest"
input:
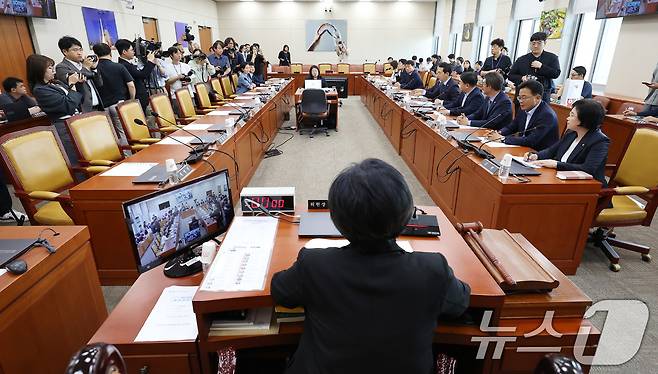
column 96, row 169
column 203, row 111
column 148, row 140
column 630, row 190
column 168, row 129
column 138, row 147
column 44, row 195
column 101, row 163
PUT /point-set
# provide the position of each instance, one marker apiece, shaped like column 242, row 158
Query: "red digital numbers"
column 267, row 202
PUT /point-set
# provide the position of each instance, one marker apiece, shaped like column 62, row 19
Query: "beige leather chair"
column 139, row 137
column 95, row 141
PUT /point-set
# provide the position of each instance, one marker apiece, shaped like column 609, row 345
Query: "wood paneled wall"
column 16, row 45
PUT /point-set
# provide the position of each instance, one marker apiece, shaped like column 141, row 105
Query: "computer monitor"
column 313, row 83
column 166, row 225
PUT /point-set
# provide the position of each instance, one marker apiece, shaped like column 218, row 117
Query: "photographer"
column 203, row 69
column 218, row 59
column 126, row 55
column 260, row 64
column 178, row 73
column 75, row 63
column 235, row 59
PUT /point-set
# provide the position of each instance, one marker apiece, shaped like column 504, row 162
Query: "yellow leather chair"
column 424, row 77
column 39, row 171
column 370, row 68
column 95, row 141
column 324, row 68
column 343, row 68
column 637, row 176
column 431, row 82
column 234, row 82
column 160, row 104
column 203, row 98
column 139, row 137
column 296, row 68
column 216, row 85
column 388, row 69
column 186, row 104
column 227, row 87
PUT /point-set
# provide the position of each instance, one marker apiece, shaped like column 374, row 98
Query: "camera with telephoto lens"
column 188, row 77
column 188, row 37
column 143, row 47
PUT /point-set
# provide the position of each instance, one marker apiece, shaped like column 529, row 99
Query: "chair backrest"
column 370, row 68
column 431, row 82
column 387, row 67
column 234, row 81
column 129, row 111
column 97, row 358
column 314, row 101
column 324, row 68
column 93, row 137
column 227, row 87
column 185, row 102
column 202, row 95
column 639, row 166
column 343, row 68
column 296, row 68
column 36, row 160
column 216, row 85
column 160, row 104
column 636, row 107
column 605, row 101
column 423, row 77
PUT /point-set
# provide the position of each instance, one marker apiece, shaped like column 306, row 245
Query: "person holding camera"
column 203, row 69
column 218, row 59
column 75, row 63
column 178, row 73
column 235, row 59
column 126, row 56
column 256, row 57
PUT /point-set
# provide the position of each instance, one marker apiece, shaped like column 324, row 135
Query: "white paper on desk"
column 197, row 126
column 500, row 145
column 219, row 113
column 129, row 169
column 245, row 96
column 169, row 141
column 172, row 317
column 520, row 160
column 2, row 272
column 328, row 243
column 243, row 259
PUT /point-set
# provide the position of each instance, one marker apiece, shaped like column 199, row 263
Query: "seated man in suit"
column 410, row 79
column 469, row 100
column 446, row 90
column 583, row 147
column 496, row 111
column 370, row 306
column 535, row 125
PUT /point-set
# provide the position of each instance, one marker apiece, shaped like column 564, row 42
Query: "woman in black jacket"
column 284, row 56
column 314, row 73
column 57, row 99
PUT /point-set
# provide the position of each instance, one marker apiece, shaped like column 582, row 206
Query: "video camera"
column 188, row 37
column 143, row 47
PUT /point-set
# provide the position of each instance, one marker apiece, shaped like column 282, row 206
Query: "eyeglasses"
column 76, row 49
column 524, row 98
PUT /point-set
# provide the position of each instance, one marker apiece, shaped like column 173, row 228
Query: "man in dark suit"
column 540, row 65
column 126, row 55
column 445, row 90
column 535, row 125
column 411, row 80
column 469, row 100
column 74, row 62
column 496, row 111
column 371, row 307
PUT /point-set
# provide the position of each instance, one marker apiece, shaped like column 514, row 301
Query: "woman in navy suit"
column 583, row 147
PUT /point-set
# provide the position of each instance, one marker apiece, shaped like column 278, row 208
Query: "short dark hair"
column 36, row 66
column 534, row 86
column 102, row 49
column 409, row 62
column 420, row 59
column 67, row 42
column 469, row 78
column 414, row 57
column 123, row 45
column 590, row 113
column 10, row 83
column 447, row 68
column 499, row 42
column 370, row 201
column 172, row 50
column 460, row 59
column 494, row 80
column 436, row 56
column 451, row 56
column 394, row 64
column 580, row 70
column 478, row 63
column 217, row 43
column 403, row 61
column 539, row 35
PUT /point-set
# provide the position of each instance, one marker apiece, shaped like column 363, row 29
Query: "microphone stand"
column 194, row 154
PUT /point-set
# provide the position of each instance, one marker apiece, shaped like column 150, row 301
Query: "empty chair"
column 216, row 86
column 314, row 108
column 166, row 118
column 388, row 69
column 370, row 68
column 139, row 137
column 234, row 81
column 39, row 171
column 95, row 141
column 203, row 97
column 186, row 104
column 343, row 68
column 423, row 77
column 431, row 82
column 324, row 68
column 296, row 68
column 227, row 87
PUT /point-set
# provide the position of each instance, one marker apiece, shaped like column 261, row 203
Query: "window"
column 526, row 28
column 595, row 46
column 455, row 43
column 485, row 39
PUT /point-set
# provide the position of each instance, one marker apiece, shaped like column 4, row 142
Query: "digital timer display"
column 271, row 203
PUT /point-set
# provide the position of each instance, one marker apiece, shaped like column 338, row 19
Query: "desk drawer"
column 157, row 364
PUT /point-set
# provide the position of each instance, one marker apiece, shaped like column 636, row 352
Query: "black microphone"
column 483, row 126
column 243, row 114
column 200, row 148
column 512, row 134
column 195, row 154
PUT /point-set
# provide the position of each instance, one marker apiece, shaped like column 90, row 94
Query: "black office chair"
column 97, row 358
column 558, row 364
column 315, row 108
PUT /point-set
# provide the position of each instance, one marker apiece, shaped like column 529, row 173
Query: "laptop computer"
column 313, row 83
column 11, row 249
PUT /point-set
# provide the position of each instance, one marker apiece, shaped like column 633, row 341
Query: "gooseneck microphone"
column 513, row 134
column 196, row 154
column 200, row 148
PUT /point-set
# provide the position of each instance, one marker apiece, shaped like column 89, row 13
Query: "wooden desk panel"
column 97, row 201
column 49, row 312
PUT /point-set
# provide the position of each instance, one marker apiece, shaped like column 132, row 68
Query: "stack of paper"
column 171, row 140
column 172, row 317
column 129, row 169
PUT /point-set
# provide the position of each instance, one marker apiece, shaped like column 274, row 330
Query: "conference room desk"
column 97, row 201
column 332, row 97
column 50, row 311
column 554, row 215
column 353, row 88
column 523, row 311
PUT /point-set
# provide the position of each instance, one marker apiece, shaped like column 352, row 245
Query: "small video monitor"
column 166, row 225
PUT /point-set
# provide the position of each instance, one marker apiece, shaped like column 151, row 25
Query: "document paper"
column 129, row 169
column 243, row 258
column 171, row 140
column 172, row 317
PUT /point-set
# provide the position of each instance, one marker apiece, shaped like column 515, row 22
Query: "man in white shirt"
column 74, row 62
column 177, row 73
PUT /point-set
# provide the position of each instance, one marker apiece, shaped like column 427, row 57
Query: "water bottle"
column 505, row 166
column 208, row 252
column 172, row 171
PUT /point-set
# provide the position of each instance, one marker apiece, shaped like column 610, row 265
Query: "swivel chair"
column 314, row 107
